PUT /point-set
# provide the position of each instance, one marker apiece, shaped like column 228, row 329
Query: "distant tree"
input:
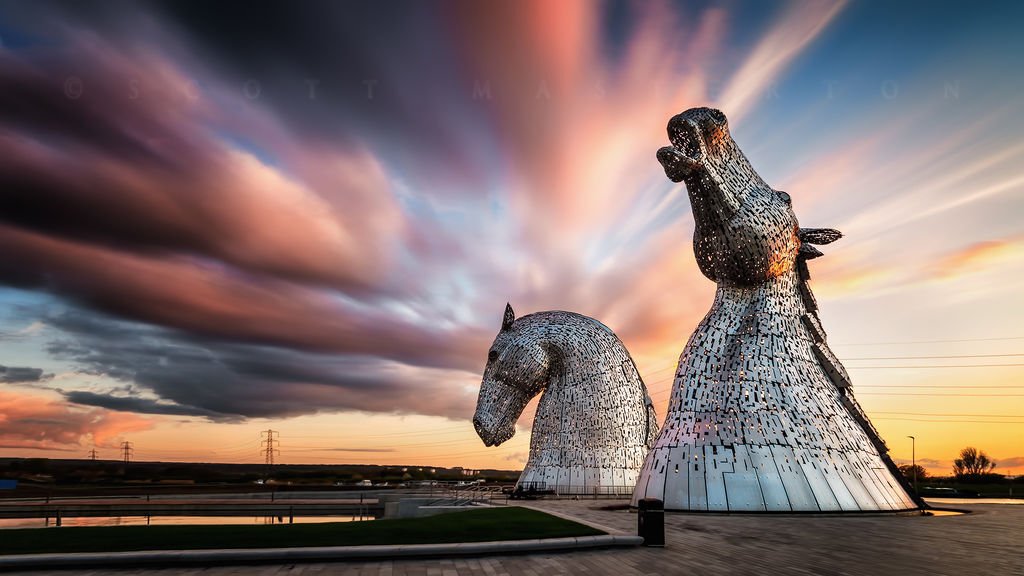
column 908, row 472
column 972, row 463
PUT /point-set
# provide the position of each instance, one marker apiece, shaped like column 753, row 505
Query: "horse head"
column 745, row 232
column 519, row 366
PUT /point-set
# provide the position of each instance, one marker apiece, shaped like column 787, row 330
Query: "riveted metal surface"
column 762, row 414
column 595, row 421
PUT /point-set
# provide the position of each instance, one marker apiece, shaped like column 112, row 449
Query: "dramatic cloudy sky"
column 222, row 217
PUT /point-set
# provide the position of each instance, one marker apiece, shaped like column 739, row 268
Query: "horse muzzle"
column 491, row 434
column 676, row 164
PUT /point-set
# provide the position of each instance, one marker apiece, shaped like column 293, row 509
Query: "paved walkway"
column 989, row 541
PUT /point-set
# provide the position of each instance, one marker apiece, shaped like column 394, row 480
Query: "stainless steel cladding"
column 762, row 416
column 594, row 422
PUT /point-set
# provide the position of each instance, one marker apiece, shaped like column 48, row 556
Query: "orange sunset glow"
column 205, row 235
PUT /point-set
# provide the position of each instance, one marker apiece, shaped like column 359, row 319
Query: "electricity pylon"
column 271, row 442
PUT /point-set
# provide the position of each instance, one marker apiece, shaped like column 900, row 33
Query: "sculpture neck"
column 574, row 364
column 594, row 372
column 778, row 294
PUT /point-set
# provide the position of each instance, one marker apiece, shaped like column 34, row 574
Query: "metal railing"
column 569, row 491
column 469, row 495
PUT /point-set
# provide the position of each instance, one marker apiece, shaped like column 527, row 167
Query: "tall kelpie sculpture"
column 762, row 417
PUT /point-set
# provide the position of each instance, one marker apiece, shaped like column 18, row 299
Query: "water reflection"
column 171, row 520
column 934, row 512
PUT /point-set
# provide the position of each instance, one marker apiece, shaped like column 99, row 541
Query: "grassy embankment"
column 471, row 526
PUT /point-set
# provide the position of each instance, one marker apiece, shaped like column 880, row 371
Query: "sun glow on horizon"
column 205, row 236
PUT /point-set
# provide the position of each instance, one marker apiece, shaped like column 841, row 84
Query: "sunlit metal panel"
column 759, row 400
column 594, row 422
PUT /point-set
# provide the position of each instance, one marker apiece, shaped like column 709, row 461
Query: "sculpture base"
column 769, row 478
column 572, row 481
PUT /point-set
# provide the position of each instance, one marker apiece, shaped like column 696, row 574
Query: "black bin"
column 650, row 521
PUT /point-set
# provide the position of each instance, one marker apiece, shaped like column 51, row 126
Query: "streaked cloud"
column 330, row 219
column 799, row 25
column 29, row 420
column 977, row 256
column 20, row 374
column 1010, row 462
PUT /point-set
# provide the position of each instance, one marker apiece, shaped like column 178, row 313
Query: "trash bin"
column 650, row 521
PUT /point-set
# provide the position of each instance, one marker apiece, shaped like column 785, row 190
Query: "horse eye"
column 492, row 356
column 785, row 197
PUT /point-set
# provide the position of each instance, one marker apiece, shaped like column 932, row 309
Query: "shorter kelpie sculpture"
column 762, row 417
column 595, row 421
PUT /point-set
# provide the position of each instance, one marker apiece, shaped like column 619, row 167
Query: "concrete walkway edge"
column 326, row 553
column 576, row 519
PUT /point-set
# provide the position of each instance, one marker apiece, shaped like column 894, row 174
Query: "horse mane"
column 830, row 364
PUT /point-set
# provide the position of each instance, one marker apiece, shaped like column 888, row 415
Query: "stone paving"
column 988, row 541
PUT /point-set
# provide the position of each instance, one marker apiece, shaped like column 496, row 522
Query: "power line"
column 433, row 431
column 92, row 454
column 271, row 442
column 917, row 366
column 927, row 341
column 937, row 366
column 247, row 449
column 415, row 445
column 248, row 444
column 952, row 414
column 950, row 421
column 934, row 357
column 957, row 386
column 938, row 395
column 452, row 454
column 662, row 394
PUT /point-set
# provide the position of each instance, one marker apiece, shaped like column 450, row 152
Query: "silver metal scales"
column 595, row 421
column 762, row 416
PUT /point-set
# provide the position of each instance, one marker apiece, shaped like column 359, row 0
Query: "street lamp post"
column 913, row 459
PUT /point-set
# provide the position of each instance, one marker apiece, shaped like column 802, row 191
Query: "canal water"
column 171, row 520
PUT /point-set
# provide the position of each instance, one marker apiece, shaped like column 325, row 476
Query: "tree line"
column 972, row 465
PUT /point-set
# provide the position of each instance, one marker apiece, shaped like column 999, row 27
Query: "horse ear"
column 808, row 252
column 510, row 317
column 819, row 235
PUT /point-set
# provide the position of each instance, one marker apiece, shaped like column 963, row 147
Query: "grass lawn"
column 471, row 526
